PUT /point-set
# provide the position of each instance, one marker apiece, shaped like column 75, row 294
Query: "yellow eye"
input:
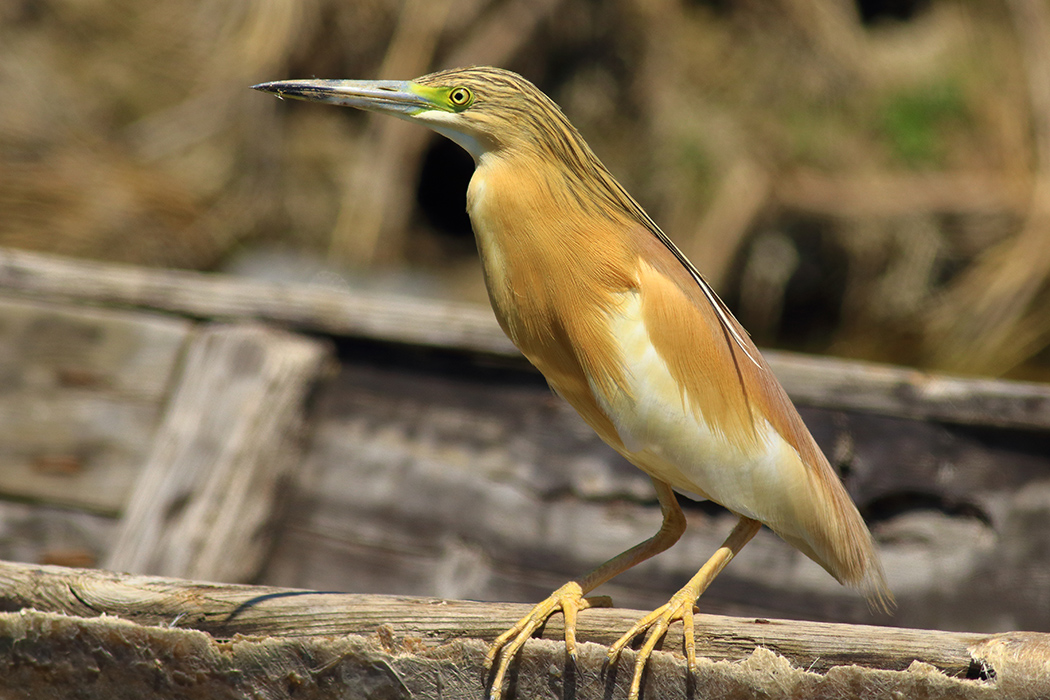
column 460, row 97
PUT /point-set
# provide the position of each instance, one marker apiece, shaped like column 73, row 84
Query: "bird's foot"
column 680, row 607
column 569, row 600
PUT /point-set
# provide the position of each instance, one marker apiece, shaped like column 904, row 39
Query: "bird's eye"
column 460, row 97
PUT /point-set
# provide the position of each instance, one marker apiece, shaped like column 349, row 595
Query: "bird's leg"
column 569, row 599
column 681, row 605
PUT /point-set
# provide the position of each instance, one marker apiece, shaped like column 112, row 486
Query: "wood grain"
column 220, row 610
column 134, row 629
column 106, row 658
column 230, row 437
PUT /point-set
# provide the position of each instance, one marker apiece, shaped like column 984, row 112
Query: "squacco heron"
column 627, row 331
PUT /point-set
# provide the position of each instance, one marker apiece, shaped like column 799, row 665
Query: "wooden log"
column 225, row 610
column 829, row 382
column 227, row 444
column 206, row 635
column 108, row 658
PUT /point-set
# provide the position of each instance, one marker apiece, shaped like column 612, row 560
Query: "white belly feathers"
column 667, row 439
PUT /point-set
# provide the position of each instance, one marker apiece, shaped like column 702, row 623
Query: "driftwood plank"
column 466, row 327
column 229, row 438
column 777, row 658
column 81, row 392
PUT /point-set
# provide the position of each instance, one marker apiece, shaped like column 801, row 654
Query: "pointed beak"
column 394, row 97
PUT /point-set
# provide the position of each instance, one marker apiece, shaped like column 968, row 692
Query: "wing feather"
column 699, row 341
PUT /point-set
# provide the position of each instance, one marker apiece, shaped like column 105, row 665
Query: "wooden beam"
column 228, row 442
column 827, row 382
column 780, row 658
column 900, row 392
column 206, row 296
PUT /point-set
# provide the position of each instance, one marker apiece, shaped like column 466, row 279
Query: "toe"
column 568, row 599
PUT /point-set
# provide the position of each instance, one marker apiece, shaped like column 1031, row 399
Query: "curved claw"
column 569, row 600
column 680, row 607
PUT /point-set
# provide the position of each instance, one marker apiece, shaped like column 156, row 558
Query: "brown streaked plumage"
column 628, row 332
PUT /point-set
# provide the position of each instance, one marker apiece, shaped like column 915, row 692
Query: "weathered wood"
column 207, row 296
column 483, row 485
column 81, row 392
column 106, row 658
column 888, row 390
column 188, row 639
column 469, row 328
column 227, row 610
column 230, row 436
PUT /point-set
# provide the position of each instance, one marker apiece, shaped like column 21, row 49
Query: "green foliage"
column 918, row 121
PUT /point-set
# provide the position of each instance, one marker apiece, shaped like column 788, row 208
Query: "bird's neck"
column 528, row 213
column 540, row 240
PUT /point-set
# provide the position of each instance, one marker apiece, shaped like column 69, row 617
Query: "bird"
column 631, row 335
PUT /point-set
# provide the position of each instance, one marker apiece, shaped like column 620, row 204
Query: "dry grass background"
column 874, row 187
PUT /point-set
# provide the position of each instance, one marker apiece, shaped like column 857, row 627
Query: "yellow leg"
column 569, row 599
column 681, row 605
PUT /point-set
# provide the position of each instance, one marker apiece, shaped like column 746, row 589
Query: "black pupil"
column 459, row 96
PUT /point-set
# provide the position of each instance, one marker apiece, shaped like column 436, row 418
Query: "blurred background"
column 863, row 178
